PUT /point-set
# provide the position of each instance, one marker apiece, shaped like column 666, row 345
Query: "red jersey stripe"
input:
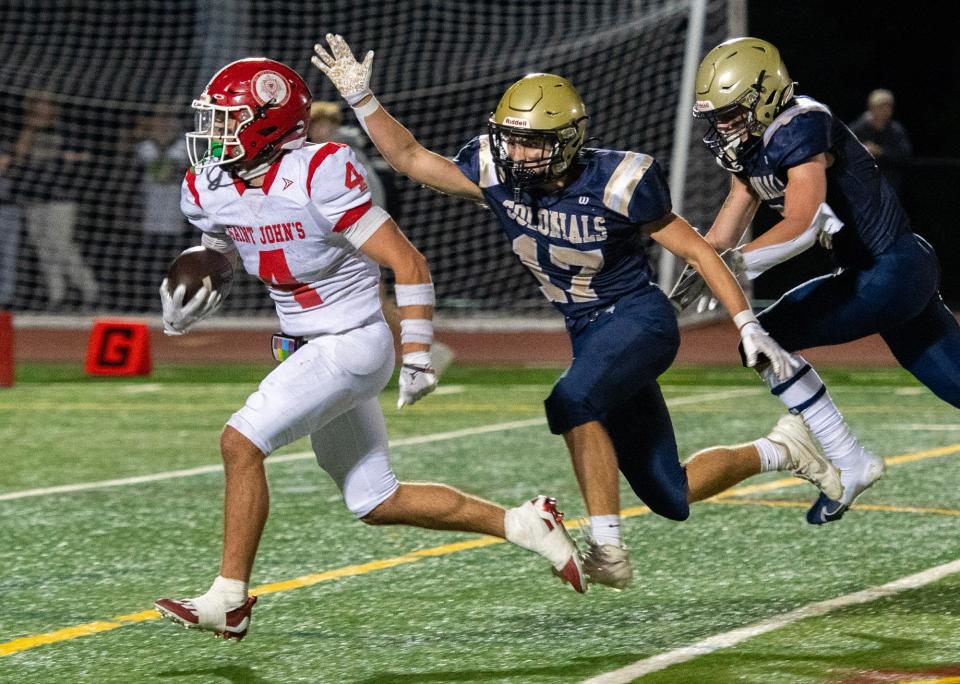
column 192, row 186
column 271, row 175
column 350, row 217
column 325, row 151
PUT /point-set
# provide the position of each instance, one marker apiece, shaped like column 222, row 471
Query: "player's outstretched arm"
column 806, row 219
column 396, row 144
column 415, row 298
column 676, row 235
column 734, row 216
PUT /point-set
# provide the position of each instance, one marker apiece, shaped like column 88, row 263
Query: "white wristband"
column 421, row 294
column 367, row 109
column 416, row 331
column 744, row 317
column 421, row 359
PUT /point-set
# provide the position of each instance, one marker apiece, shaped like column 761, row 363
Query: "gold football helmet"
column 537, row 130
column 742, row 84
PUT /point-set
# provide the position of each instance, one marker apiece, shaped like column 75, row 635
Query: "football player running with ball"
column 792, row 154
column 299, row 217
column 573, row 215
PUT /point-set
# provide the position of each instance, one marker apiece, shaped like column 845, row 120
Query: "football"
column 199, row 266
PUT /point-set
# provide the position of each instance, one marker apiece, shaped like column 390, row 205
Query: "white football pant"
column 328, row 389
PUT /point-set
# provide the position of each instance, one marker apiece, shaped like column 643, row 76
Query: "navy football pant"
column 896, row 297
column 618, row 354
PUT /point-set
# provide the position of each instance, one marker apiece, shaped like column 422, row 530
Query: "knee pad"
column 675, row 509
column 362, row 502
column 567, row 407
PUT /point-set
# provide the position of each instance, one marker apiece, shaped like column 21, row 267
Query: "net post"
column 683, row 121
column 6, row 349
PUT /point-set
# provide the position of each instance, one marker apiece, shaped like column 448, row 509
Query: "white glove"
column 417, row 378
column 757, row 342
column 177, row 316
column 351, row 78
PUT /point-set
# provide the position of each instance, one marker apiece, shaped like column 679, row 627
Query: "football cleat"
column 804, row 459
column 231, row 624
column 608, row 564
column 856, row 481
column 537, row 525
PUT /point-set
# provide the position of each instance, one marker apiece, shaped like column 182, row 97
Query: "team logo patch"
column 513, row 121
column 269, row 85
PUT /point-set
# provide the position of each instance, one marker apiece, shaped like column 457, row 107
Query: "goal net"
column 96, row 100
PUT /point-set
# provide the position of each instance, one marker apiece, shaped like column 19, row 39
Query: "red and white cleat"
column 194, row 614
column 538, row 525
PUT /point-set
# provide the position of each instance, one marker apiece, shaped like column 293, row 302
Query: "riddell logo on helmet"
column 269, row 85
column 703, row 106
column 513, row 121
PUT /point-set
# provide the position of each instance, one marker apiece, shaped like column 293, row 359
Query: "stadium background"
column 440, row 67
column 110, row 494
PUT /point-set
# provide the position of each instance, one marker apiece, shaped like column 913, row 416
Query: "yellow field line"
column 97, row 627
column 776, row 503
column 69, row 633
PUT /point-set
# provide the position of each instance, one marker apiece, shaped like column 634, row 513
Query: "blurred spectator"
column 883, row 137
column 9, row 233
column 46, row 185
column 326, row 125
column 161, row 149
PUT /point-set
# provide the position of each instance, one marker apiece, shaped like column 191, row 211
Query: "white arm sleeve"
column 760, row 260
column 218, row 242
column 365, row 226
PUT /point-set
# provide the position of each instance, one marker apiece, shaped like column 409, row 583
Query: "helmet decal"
column 270, row 86
column 513, row 121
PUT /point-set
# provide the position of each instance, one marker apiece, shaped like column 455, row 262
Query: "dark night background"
column 838, row 52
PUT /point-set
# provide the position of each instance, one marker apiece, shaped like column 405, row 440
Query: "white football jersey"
column 299, row 234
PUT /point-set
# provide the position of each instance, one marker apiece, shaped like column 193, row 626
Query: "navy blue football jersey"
column 582, row 242
column 856, row 191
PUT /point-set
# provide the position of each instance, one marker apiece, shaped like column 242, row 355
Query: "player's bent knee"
column 234, row 446
column 382, row 514
column 567, row 407
column 378, row 510
column 672, row 510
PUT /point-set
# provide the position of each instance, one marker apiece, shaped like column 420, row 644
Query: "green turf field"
column 342, row 602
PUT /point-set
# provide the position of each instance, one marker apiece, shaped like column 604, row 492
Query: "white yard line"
column 304, row 455
column 737, row 636
column 913, row 427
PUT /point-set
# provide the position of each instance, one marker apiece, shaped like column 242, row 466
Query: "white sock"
column 771, row 455
column 805, row 394
column 605, row 529
column 232, row 592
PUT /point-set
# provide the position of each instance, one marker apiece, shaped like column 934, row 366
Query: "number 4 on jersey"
column 354, row 179
column 275, row 271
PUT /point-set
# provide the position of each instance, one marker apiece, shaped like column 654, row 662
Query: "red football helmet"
column 251, row 110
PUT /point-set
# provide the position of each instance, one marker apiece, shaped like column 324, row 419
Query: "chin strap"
column 256, row 171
